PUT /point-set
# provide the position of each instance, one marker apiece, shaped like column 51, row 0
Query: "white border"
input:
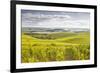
column 20, row 65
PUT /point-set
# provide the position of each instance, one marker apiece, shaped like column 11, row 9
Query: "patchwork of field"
column 57, row 46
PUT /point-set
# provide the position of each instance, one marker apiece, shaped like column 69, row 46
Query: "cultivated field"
column 57, row 46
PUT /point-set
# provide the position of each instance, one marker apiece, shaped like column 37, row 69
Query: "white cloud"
column 59, row 23
column 30, row 15
column 54, row 20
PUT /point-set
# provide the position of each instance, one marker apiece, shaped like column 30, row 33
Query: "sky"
column 54, row 19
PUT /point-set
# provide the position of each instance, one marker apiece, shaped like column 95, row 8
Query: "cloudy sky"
column 54, row 19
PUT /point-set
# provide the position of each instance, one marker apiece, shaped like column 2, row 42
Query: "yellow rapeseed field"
column 60, row 46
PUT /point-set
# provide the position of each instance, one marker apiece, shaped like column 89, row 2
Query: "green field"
column 58, row 46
